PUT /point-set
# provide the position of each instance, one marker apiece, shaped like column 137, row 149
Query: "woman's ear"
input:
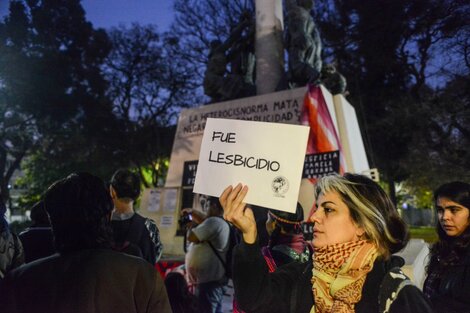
column 360, row 232
column 112, row 192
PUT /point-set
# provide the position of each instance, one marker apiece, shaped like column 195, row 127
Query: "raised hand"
column 236, row 212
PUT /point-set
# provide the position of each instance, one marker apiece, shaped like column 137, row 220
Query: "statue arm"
column 235, row 34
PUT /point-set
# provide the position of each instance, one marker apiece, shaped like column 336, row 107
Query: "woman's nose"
column 446, row 215
column 315, row 215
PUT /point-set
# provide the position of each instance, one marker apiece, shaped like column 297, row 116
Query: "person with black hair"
column 133, row 233
column 447, row 283
column 86, row 275
column 11, row 249
column 37, row 239
column 357, row 230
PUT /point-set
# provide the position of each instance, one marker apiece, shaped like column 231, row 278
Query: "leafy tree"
column 393, row 54
column 386, row 50
column 149, row 82
column 198, row 22
column 52, row 93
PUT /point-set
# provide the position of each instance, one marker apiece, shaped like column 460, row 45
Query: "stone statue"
column 303, row 44
column 217, row 84
column 242, row 63
column 333, row 80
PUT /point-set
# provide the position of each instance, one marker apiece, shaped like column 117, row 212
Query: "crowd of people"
column 87, row 250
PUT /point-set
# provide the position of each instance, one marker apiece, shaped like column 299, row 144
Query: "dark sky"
column 108, row 13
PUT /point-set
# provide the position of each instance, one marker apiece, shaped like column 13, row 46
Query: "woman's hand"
column 236, row 212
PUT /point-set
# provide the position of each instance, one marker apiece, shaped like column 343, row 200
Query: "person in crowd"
column 37, row 239
column 447, row 283
column 205, row 271
column 133, row 233
column 181, row 299
column 11, row 249
column 286, row 241
column 357, row 230
column 86, row 275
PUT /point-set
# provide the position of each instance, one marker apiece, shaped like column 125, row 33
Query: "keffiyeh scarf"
column 339, row 273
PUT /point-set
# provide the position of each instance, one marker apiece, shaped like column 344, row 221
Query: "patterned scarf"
column 339, row 273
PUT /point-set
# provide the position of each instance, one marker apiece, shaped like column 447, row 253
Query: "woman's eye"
column 454, row 210
column 440, row 211
column 328, row 210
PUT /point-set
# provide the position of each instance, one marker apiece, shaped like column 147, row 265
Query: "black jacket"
column 141, row 232
column 452, row 294
column 86, row 281
column 289, row 289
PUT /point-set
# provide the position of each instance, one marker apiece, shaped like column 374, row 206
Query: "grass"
column 426, row 233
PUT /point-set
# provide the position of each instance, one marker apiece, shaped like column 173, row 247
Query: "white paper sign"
column 267, row 157
column 154, row 201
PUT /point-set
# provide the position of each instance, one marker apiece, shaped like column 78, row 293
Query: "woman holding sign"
column 357, row 229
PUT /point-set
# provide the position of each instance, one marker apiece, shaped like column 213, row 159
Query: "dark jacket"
column 143, row 233
column 86, row 281
column 452, row 292
column 289, row 289
column 38, row 242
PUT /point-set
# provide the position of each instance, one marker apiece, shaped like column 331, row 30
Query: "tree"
column 149, row 83
column 199, row 22
column 51, row 87
column 386, row 50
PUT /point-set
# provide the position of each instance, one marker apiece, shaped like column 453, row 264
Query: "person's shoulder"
column 146, row 220
column 36, row 266
column 123, row 260
column 35, row 232
column 216, row 220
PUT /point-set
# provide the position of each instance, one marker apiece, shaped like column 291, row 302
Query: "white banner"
column 267, row 157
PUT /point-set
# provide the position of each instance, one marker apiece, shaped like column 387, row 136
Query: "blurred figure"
column 286, row 240
column 181, row 299
column 133, row 233
column 448, row 273
column 11, row 250
column 86, row 275
column 37, row 240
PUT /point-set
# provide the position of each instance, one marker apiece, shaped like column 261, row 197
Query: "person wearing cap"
column 286, row 241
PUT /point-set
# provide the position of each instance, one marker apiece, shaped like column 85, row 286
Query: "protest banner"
column 267, row 157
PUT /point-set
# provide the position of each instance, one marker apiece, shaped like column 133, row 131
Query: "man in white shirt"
column 204, row 268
